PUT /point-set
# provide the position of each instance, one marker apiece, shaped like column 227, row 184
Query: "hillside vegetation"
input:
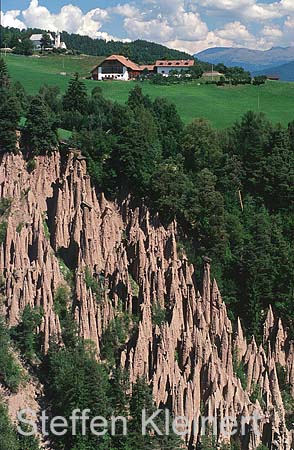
column 142, row 52
column 231, row 191
column 220, row 105
column 232, row 195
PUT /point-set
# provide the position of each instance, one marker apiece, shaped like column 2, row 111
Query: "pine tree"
column 77, row 381
column 40, row 135
column 141, row 399
column 9, row 119
column 46, row 41
column 4, row 76
column 75, row 98
column 137, row 99
column 137, row 152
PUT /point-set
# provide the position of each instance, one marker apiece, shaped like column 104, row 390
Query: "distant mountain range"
column 285, row 71
column 252, row 60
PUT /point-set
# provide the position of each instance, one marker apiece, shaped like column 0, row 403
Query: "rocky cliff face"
column 191, row 358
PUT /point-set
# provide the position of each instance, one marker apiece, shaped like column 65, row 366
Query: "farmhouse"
column 212, row 75
column 37, row 40
column 116, row 67
column 273, row 77
column 165, row 67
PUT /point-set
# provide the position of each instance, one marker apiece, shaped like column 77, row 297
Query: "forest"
column 230, row 191
column 142, row 52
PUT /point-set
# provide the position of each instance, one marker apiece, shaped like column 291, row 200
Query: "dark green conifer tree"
column 40, row 134
column 75, row 98
column 9, row 119
column 4, row 76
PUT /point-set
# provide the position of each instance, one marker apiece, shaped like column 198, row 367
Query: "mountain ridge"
column 249, row 59
column 285, row 71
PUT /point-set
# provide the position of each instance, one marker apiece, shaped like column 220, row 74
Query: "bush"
column 158, row 315
column 67, row 273
column 31, row 165
column 19, row 227
column 46, row 228
column 3, row 231
column 5, row 205
column 240, row 372
column 114, row 337
column 11, row 373
column 61, row 301
column 134, row 286
column 25, row 333
column 97, row 287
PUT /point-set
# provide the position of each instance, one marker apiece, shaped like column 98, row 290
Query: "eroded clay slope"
column 56, row 216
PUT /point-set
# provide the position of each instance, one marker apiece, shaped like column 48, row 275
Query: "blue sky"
column 190, row 25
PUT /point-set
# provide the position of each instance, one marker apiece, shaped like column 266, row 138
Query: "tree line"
column 140, row 51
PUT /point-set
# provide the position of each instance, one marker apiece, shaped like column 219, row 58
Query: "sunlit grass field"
column 221, row 105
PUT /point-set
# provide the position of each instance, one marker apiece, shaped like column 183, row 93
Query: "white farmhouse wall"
column 117, row 76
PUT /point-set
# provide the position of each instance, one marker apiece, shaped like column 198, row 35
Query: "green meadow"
column 221, row 105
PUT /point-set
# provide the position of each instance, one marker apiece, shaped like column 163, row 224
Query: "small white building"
column 213, row 75
column 165, row 67
column 55, row 41
column 37, row 40
column 58, row 42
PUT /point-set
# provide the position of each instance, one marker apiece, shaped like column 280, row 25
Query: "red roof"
column 123, row 60
column 175, row 63
column 149, row 67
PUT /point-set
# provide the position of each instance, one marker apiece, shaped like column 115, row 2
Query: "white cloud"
column 235, row 31
column 287, row 6
column 210, row 40
column 249, row 9
column 272, row 31
column 70, row 18
column 125, row 10
column 166, row 20
column 289, row 23
column 10, row 19
column 262, row 12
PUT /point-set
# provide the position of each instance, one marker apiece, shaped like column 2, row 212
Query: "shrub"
column 19, row 227
column 97, row 287
column 158, row 315
column 240, row 372
column 11, row 373
column 25, row 334
column 61, row 301
column 5, row 205
column 68, row 275
column 134, row 286
column 114, row 337
column 31, row 165
column 46, row 228
column 3, row 231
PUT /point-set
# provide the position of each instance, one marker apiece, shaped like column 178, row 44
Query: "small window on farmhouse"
column 177, row 63
column 186, row 63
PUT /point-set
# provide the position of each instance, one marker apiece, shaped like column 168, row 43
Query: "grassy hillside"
column 222, row 106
